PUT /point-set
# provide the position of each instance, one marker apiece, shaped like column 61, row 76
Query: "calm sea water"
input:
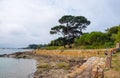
column 16, row 68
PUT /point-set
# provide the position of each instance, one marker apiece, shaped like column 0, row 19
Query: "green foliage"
column 32, row 46
column 70, row 27
column 52, row 47
column 36, row 46
column 113, row 33
column 57, row 42
column 113, row 30
column 93, row 38
column 118, row 36
column 113, row 37
column 83, row 40
column 95, row 47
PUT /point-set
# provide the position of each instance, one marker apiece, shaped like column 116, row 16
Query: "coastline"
column 55, row 66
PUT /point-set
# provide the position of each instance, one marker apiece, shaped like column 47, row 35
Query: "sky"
column 24, row 22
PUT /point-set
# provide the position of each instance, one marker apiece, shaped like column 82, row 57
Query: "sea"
column 16, row 68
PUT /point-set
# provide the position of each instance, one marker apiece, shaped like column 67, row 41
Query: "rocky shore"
column 48, row 66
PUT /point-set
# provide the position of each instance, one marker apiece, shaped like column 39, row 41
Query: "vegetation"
column 118, row 36
column 52, row 47
column 36, row 46
column 70, row 28
column 56, row 42
column 72, row 36
column 63, row 65
column 95, row 39
column 92, row 40
column 44, row 65
column 114, row 72
column 115, row 62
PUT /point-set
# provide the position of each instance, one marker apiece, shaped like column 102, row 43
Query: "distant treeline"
column 36, row 46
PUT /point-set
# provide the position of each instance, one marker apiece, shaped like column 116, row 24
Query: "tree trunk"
column 64, row 43
column 64, row 46
column 70, row 46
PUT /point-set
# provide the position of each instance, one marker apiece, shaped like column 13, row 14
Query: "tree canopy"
column 118, row 36
column 93, row 38
column 113, row 30
column 70, row 27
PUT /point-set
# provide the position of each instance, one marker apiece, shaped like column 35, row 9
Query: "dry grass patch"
column 75, row 53
column 114, row 72
column 63, row 65
column 44, row 65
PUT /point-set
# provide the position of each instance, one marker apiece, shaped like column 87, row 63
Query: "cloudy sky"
column 24, row 22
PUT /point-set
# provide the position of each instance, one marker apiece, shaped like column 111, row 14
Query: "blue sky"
column 23, row 22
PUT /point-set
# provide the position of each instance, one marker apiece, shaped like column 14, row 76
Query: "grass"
column 114, row 72
column 81, row 47
column 73, row 53
column 74, row 46
column 44, row 65
column 63, row 65
column 116, row 62
column 52, row 47
column 59, row 65
column 95, row 46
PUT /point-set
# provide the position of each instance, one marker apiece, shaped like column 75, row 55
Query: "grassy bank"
column 80, row 47
column 114, row 72
column 73, row 52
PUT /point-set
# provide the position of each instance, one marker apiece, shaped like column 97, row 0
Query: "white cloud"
column 29, row 21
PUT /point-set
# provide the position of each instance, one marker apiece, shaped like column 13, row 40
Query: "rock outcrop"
column 92, row 68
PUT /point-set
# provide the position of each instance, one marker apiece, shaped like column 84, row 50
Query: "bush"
column 93, row 38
